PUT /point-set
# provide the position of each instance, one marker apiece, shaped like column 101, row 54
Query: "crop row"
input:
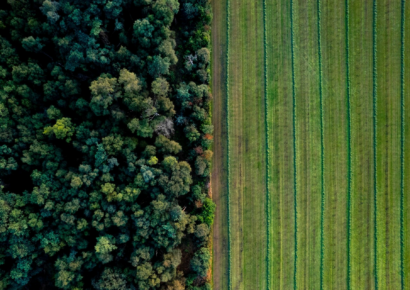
column 294, row 144
column 228, row 158
column 322, row 147
column 376, row 284
column 349, row 157
column 403, row 2
column 268, row 175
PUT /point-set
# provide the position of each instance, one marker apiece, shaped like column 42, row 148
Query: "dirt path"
column 220, row 263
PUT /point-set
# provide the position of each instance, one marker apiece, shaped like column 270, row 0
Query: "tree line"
column 105, row 144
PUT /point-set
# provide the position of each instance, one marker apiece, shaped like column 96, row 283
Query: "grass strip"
column 376, row 282
column 322, row 155
column 403, row 4
column 228, row 5
column 349, row 161
column 267, row 136
column 294, row 144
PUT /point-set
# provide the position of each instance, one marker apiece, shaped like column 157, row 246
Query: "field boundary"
column 376, row 282
column 349, row 169
column 322, row 155
column 267, row 136
column 402, row 109
column 228, row 4
column 294, row 145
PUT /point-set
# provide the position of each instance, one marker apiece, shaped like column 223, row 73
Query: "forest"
column 105, row 144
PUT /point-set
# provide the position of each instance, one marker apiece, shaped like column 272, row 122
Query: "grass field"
column 317, row 121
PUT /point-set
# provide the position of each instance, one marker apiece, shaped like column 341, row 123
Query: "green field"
column 312, row 165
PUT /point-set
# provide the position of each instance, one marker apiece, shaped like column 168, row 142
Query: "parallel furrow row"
column 322, row 149
column 376, row 284
column 294, row 144
column 402, row 112
column 268, row 175
column 349, row 157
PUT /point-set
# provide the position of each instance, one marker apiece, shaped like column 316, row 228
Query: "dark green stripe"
column 376, row 282
column 265, row 68
column 322, row 147
column 294, row 146
column 403, row 3
column 349, row 173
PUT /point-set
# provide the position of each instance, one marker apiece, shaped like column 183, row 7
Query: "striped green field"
column 311, row 167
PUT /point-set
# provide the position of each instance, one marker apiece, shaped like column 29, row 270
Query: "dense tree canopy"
column 105, row 136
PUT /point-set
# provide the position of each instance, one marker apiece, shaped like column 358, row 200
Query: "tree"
column 111, row 279
column 189, row 10
column 105, row 245
column 32, row 44
column 144, row 129
column 202, row 231
column 192, row 133
column 165, row 127
column 165, row 10
column 208, row 212
column 130, row 82
column 201, row 261
column 158, row 66
column 160, row 87
column 68, row 272
column 167, row 146
column 53, row 113
column 63, row 128
column 133, row 125
column 204, row 56
column 152, row 161
column 167, row 49
column 99, row 130
column 50, row 9
column 104, row 92
column 143, row 32
column 203, row 75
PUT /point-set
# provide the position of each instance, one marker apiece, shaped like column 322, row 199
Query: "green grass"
column 247, row 149
column 308, row 145
column 388, row 143
column 361, row 101
column 315, row 156
column 402, row 141
column 335, row 136
column 279, row 92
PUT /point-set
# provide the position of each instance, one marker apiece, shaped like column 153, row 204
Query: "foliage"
column 201, row 261
column 97, row 185
column 208, row 212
